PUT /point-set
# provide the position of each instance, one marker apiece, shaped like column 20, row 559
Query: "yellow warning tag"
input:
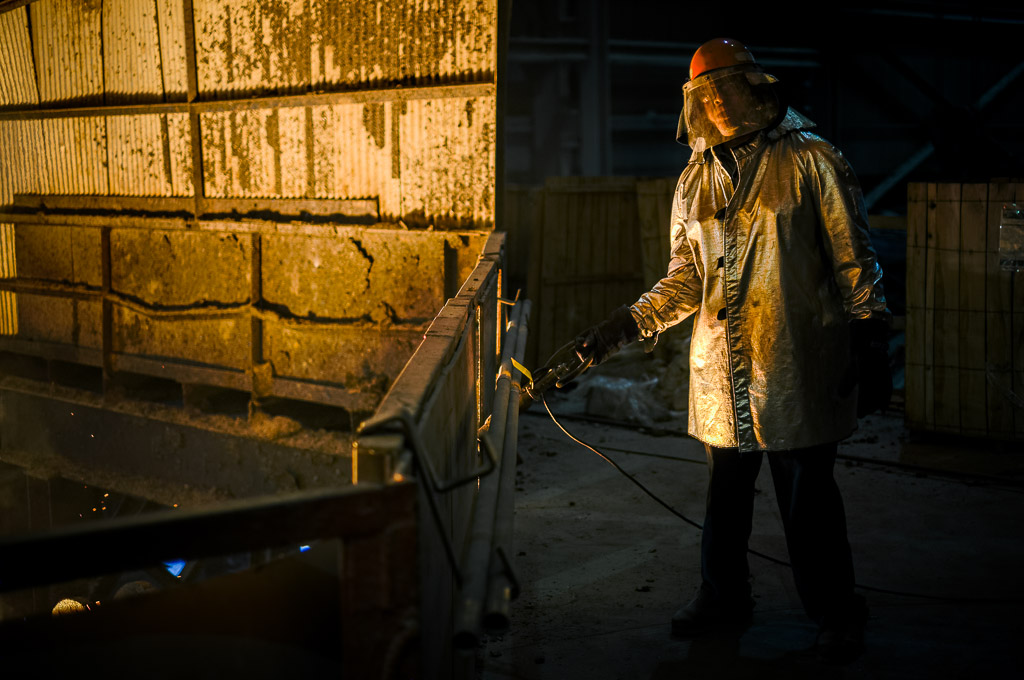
column 522, row 369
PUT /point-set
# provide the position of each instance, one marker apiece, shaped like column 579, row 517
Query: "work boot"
column 706, row 614
column 841, row 642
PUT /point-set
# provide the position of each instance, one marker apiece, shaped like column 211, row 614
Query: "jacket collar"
column 793, row 120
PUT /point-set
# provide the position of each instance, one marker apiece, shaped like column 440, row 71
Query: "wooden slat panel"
column 947, row 399
column 630, row 274
column 943, row 245
column 551, row 237
column 973, row 206
column 917, row 211
column 535, row 287
column 915, row 401
column 946, row 278
column 972, row 280
column 998, row 372
column 972, row 340
column 1017, row 340
column 929, row 368
column 1017, row 332
column 578, row 260
column 973, row 397
column 944, row 227
column 917, row 331
column 597, row 220
column 999, row 284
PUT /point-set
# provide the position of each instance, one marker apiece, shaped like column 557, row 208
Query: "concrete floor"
column 603, row 567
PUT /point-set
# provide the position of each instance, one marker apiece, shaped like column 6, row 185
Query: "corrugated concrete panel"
column 447, row 161
column 66, row 38
column 76, row 155
column 476, row 49
column 255, row 153
column 175, row 268
column 171, row 21
column 372, row 43
column 8, row 155
column 8, row 301
column 143, row 150
column 252, row 46
column 427, row 42
column 17, row 74
column 355, row 43
column 27, row 143
column 53, row 156
column 8, row 267
column 180, row 146
column 131, row 51
column 355, row 154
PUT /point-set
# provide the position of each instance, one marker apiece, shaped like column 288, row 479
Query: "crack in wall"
column 366, row 254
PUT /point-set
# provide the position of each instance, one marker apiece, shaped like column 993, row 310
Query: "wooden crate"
column 585, row 257
column 593, row 243
column 965, row 315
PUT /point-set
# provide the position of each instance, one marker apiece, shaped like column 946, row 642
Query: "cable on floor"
column 775, row 560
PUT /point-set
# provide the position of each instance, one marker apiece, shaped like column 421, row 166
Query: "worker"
column 770, row 251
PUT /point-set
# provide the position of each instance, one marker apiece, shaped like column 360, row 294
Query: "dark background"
column 910, row 91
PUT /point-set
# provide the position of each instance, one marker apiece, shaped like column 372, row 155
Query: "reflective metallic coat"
column 774, row 269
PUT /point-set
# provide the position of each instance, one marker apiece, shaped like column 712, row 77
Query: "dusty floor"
column 603, row 567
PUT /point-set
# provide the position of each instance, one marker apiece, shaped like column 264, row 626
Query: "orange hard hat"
column 719, row 53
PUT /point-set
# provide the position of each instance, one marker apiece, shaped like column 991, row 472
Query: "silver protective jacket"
column 774, row 268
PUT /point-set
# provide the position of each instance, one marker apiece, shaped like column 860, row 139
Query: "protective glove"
column 608, row 337
column 870, row 345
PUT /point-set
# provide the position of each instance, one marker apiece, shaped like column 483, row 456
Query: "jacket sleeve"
column 844, row 227
column 678, row 294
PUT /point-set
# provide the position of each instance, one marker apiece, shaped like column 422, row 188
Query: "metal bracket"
column 433, row 487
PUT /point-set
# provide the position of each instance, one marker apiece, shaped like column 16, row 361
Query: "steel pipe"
column 502, row 586
column 480, row 547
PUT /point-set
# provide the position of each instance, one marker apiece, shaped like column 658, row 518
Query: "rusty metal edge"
column 232, row 526
column 449, row 91
column 242, row 225
column 42, row 349
column 367, row 208
column 9, row 5
column 181, row 371
column 413, row 387
column 321, row 393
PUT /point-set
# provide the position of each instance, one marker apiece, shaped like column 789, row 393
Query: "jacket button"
column 721, row 314
column 721, row 262
column 720, row 215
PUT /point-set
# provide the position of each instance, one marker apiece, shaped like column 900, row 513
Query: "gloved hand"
column 870, row 345
column 607, row 337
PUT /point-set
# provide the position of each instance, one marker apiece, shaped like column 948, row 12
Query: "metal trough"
column 147, row 413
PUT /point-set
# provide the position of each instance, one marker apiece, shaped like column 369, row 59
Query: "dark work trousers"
column 812, row 516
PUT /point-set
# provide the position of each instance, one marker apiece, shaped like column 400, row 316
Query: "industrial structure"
column 232, row 234
column 263, row 291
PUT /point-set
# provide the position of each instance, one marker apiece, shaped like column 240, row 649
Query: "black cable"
column 644, row 488
column 969, row 478
column 769, row 558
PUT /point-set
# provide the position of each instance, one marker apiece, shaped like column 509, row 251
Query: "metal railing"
column 450, row 420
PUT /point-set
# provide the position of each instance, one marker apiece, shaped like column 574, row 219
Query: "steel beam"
column 456, row 91
column 347, row 210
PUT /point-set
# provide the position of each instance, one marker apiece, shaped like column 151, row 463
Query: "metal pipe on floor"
column 477, row 559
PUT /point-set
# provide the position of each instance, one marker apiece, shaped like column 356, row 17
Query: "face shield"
column 726, row 104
